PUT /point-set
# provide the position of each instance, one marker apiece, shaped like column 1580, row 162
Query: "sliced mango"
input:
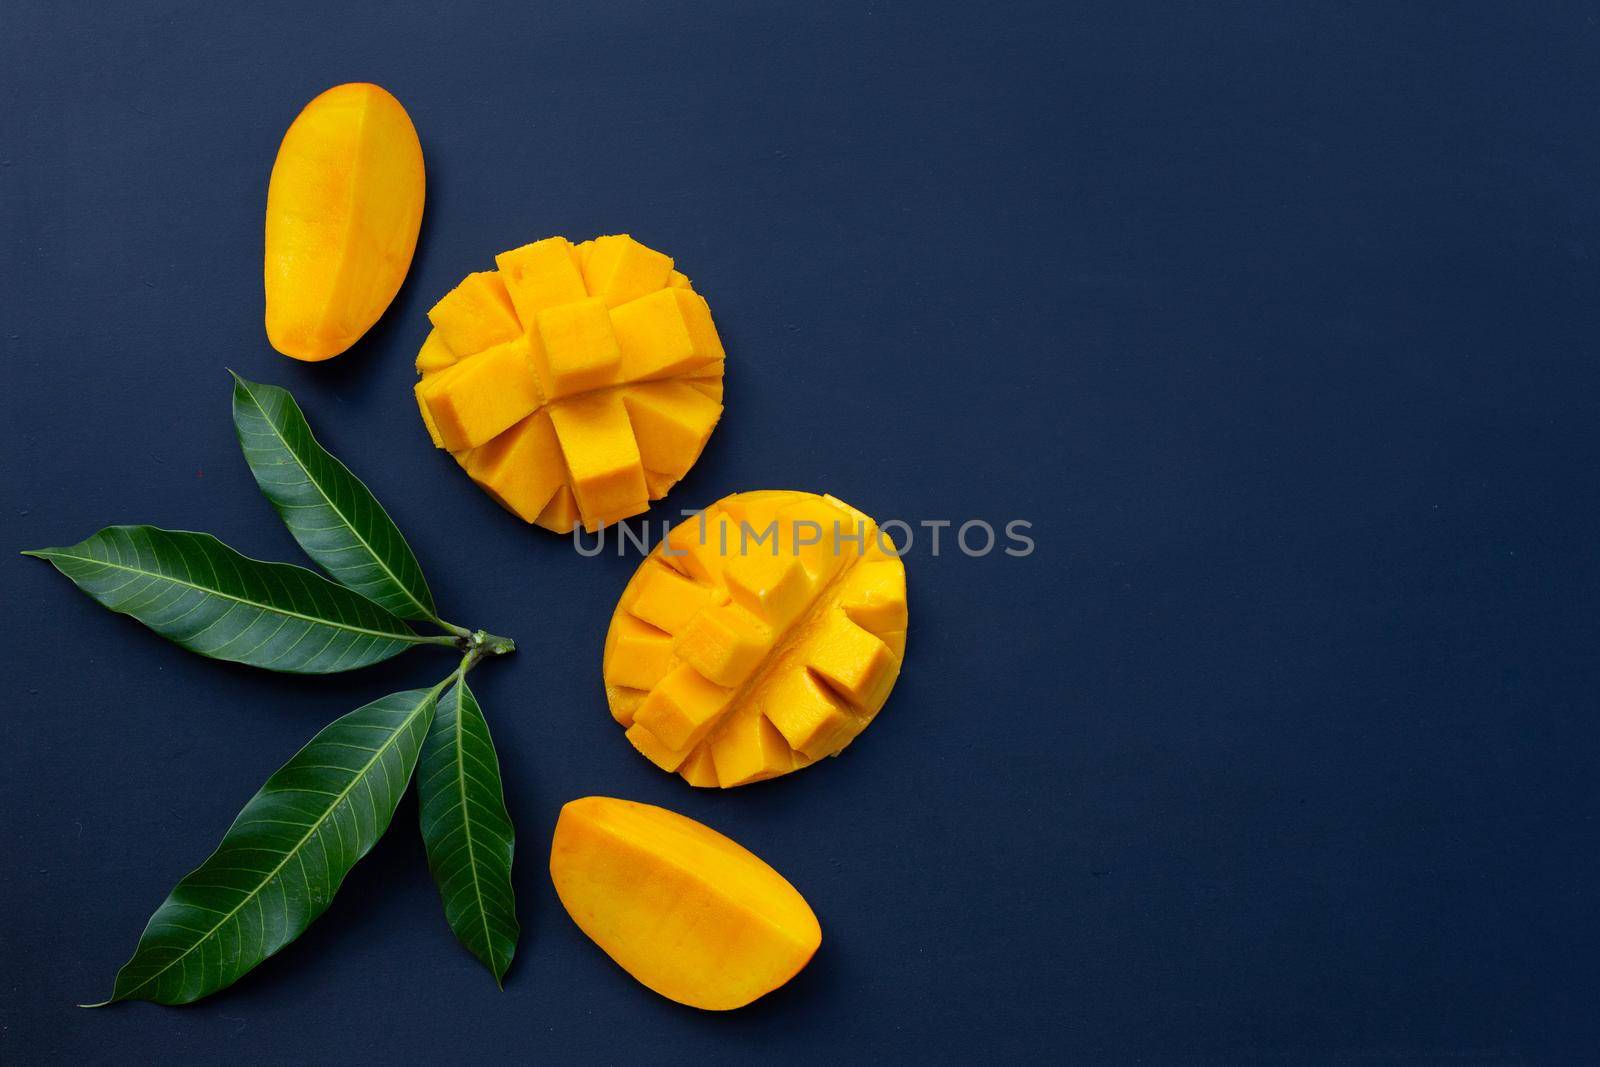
column 343, row 209
column 612, row 348
column 691, row 914
column 759, row 636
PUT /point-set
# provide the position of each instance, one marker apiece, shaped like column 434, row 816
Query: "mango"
column 758, row 637
column 573, row 383
column 343, row 209
column 688, row 912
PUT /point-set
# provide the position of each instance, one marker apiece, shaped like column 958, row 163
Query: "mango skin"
column 343, row 210
column 688, row 912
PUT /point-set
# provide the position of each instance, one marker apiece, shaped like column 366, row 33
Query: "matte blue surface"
column 1278, row 321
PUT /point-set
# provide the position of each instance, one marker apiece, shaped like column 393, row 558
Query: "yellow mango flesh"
column 758, row 637
column 343, row 209
column 606, row 346
column 688, row 912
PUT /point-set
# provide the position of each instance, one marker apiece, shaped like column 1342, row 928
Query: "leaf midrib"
column 339, row 798
column 466, row 826
column 312, row 481
column 409, row 637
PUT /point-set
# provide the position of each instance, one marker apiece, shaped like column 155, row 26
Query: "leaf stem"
column 491, row 644
column 432, row 639
column 450, row 627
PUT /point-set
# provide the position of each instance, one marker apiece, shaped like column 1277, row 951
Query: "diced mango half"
column 759, row 636
column 688, row 912
column 344, row 206
column 611, row 348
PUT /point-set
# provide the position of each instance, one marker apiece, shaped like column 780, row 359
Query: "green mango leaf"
column 196, row 591
column 329, row 511
column 284, row 857
column 468, row 831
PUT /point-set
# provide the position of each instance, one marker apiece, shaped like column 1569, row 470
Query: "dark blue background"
column 1278, row 321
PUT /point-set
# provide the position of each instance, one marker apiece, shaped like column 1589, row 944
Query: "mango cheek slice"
column 757, row 638
column 573, row 383
column 343, row 210
column 686, row 911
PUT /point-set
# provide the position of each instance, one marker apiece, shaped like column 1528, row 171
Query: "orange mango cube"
column 475, row 315
column 602, row 458
column 521, row 468
column 724, row 643
column 577, row 349
column 681, row 708
column 541, row 275
column 481, row 397
column 664, row 334
column 671, row 422
column 664, row 598
column 619, row 269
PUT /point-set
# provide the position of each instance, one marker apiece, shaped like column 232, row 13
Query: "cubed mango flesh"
column 476, row 315
column 617, row 355
column 480, row 398
column 434, row 356
column 521, row 468
column 619, row 269
column 689, row 913
column 758, row 637
column 578, row 350
column 344, row 205
column 541, row 275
